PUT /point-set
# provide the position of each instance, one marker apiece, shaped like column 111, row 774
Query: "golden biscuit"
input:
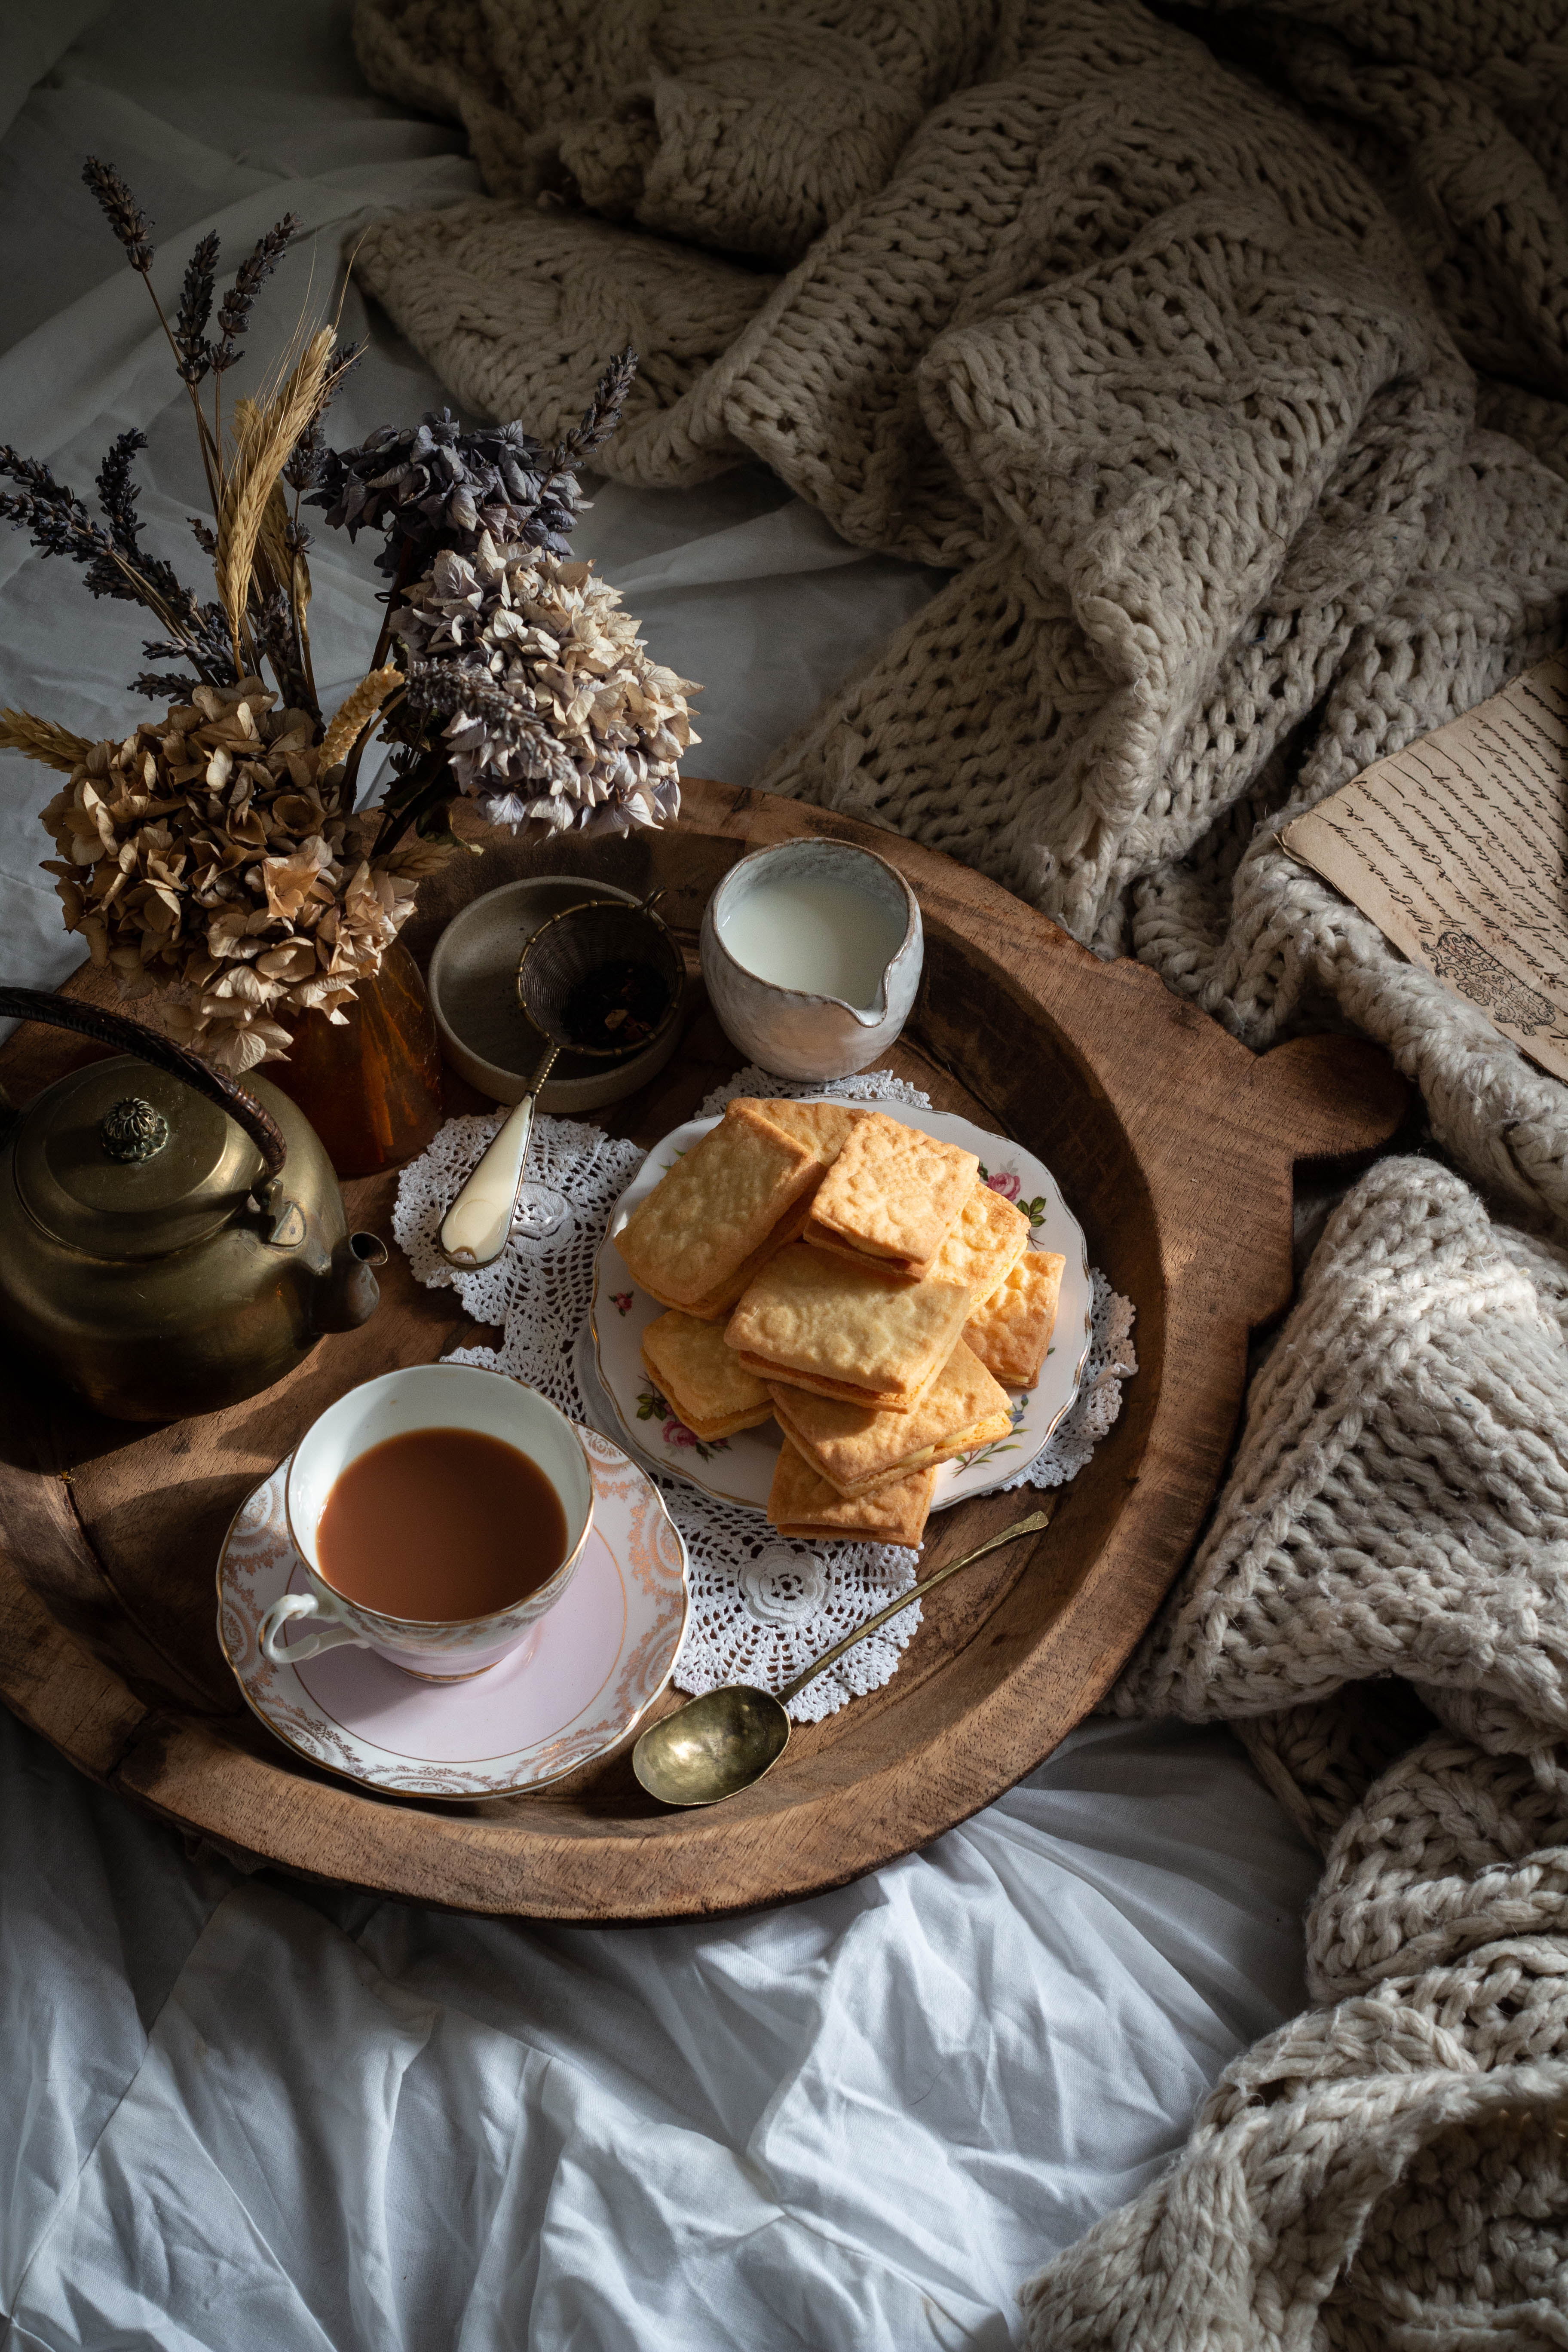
column 701, row 1379
column 845, row 1331
column 892, row 1195
column 987, row 1242
column 716, row 1305
column 857, row 1451
column 1012, row 1331
column 717, row 1206
column 801, row 1503
column 823, row 1127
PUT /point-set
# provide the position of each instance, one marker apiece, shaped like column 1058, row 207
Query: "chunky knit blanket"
column 1231, row 389
column 1228, row 376
column 1381, row 1605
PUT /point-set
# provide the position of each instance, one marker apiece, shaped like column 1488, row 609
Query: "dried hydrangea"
column 211, row 854
column 553, row 708
column 437, row 487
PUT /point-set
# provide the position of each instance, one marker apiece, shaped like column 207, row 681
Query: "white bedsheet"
column 240, row 2114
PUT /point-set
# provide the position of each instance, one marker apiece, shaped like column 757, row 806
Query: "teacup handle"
column 335, row 1631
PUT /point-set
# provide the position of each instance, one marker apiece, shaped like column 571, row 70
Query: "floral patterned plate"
column 740, row 1469
column 602, row 1657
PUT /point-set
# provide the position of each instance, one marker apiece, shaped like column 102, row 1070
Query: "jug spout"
column 347, row 1293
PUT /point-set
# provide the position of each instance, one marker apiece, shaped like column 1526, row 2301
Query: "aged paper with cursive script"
column 1458, row 849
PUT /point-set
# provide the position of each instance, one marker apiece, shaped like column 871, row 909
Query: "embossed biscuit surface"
column 893, row 1191
column 1012, row 1331
column 715, row 1206
column 823, row 1127
column 816, row 1314
column 986, row 1244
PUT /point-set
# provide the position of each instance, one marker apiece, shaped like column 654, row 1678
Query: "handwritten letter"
column 1456, row 847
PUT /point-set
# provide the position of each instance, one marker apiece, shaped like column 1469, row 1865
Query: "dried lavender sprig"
column 122, row 211
column 252, row 274
column 54, row 515
column 203, row 534
column 110, row 565
column 59, row 525
column 602, row 414
column 194, row 351
column 116, row 492
column 272, row 627
column 165, row 685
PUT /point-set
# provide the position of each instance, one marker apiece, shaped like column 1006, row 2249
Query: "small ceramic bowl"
column 789, row 1031
column 485, row 1034
column 424, row 1396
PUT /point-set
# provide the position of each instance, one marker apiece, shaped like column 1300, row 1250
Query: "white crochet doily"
column 762, row 1607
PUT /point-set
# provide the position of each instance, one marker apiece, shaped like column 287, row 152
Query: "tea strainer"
column 571, row 979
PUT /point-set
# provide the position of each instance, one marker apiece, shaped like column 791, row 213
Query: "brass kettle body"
column 170, row 1241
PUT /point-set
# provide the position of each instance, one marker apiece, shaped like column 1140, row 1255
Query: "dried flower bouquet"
column 214, row 858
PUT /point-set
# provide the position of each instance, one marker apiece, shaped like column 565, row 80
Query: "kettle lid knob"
column 133, row 1128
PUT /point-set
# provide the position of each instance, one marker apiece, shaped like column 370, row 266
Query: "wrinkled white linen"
column 243, row 2117
column 240, row 2114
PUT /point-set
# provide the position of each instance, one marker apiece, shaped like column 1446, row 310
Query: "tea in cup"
column 439, row 1512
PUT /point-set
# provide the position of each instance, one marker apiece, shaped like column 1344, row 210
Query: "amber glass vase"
column 372, row 1086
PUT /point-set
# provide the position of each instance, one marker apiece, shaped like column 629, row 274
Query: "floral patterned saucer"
column 740, row 1469
column 602, row 1657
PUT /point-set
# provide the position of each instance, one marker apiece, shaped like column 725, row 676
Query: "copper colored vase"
column 372, row 1086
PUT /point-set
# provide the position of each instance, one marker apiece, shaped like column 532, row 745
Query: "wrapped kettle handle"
column 175, row 1061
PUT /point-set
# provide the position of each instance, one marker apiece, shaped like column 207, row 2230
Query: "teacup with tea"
column 439, row 1512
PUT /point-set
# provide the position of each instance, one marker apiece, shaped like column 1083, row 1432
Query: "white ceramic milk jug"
column 812, row 954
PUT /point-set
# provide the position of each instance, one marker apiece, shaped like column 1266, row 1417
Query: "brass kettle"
column 169, row 1242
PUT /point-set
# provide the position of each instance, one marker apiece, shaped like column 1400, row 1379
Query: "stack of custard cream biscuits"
column 854, row 1280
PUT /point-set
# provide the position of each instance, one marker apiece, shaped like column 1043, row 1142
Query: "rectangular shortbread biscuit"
column 893, row 1195
column 718, row 1204
column 801, row 1503
column 855, row 1450
column 1012, row 1331
column 823, row 1127
column 701, row 1379
column 984, row 1246
column 715, row 1306
column 845, row 1331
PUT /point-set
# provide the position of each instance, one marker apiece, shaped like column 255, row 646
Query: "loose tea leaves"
column 615, row 1008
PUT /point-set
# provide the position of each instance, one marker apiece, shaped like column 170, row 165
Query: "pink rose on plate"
column 621, row 1300
column 1004, row 1185
column 677, row 1433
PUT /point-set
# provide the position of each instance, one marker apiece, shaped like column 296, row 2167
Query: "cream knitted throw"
column 1174, row 369
column 1235, row 396
column 1391, row 2168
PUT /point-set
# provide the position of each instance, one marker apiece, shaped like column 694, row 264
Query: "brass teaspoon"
column 717, row 1745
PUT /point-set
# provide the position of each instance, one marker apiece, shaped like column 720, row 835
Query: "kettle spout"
column 347, row 1293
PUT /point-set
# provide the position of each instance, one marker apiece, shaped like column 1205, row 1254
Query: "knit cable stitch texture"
column 1173, row 369
column 1388, row 2169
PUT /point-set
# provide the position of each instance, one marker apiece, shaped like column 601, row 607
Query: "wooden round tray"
column 1171, row 1143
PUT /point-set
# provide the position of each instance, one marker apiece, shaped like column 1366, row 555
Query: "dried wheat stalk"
column 356, row 714
column 41, row 740
column 262, row 448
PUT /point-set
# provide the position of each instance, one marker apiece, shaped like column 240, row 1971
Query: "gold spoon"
column 717, row 1745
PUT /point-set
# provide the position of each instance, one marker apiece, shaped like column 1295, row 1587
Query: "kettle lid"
column 124, row 1161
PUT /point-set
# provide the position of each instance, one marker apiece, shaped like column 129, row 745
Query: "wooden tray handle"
column 1329, row 1097
column 162, row 1053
